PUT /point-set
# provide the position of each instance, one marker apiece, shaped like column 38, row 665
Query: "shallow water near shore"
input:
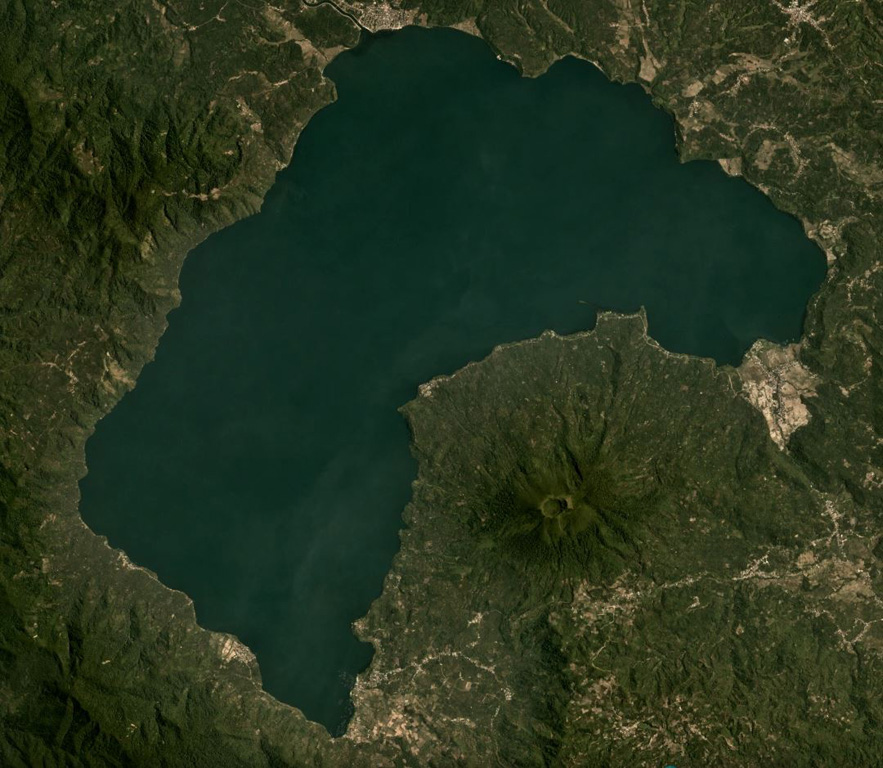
column 441, row 206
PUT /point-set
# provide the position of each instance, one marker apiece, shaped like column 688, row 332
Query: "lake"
column 441, row 206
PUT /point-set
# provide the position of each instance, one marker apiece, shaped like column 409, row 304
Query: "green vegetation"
column 684, row 586
column 703, row 595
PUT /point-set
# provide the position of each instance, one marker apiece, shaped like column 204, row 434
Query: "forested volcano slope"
column 613, row 555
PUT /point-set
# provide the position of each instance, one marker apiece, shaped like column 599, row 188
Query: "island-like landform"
column 613, row 556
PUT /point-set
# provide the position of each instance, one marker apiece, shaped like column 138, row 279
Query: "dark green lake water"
column 442, row 206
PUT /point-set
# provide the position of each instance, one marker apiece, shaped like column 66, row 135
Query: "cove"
column 441, row 206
